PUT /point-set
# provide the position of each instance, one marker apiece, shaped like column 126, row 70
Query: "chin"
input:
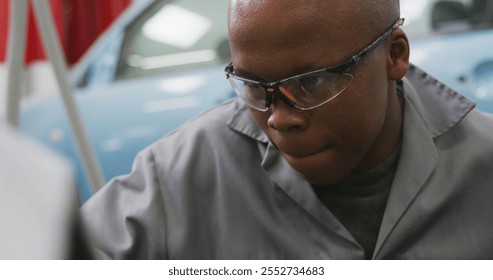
column 322, row 176
column 324, row 180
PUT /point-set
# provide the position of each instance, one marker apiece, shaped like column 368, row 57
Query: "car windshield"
column 429, row 17
column 174, row 35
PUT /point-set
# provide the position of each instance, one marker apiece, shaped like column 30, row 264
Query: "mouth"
column 299, row 151
column 323, row 166
column 300, row 145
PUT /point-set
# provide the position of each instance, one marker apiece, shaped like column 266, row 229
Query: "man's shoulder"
column 449, row 116
column 477, row 127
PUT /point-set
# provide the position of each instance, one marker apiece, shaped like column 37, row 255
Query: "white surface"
column 39, row 82
column 37, row 200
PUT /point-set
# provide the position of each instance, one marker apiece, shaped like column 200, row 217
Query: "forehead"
column 299, row 35
column 279, row 21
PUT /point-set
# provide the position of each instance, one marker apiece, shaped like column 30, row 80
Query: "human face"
column 357, row 130
column 304, row 91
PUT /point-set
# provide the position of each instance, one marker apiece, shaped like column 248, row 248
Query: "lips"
column 299, row 149
column 300, row 154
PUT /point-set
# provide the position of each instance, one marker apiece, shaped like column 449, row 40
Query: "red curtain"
column 4, row 25
column 85, row 20
column 78, row 22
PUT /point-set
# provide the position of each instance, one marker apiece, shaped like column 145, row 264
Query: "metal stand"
column 54, row 52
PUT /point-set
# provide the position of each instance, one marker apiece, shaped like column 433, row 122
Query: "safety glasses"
column 304, row 91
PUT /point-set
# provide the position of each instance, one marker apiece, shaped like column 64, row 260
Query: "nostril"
column 284, row 117
column 282, row 126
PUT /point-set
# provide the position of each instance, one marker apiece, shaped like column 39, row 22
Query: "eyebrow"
column 245, row 74
column 298, row 71
column 346, row 64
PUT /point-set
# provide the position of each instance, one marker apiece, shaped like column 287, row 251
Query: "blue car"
column 162, row 63
column 453, row 41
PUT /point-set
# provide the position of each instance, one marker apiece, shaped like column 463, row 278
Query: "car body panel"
column 147, row 109
column 463, row 61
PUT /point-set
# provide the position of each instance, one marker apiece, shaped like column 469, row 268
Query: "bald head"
column 341, row 26
column 357, row 11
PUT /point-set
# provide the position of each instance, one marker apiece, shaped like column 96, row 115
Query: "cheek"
column 260, row 118
column 366, row 109
column 358, row 115
column 369, row 97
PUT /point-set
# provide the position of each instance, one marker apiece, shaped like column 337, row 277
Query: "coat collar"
column 440, row 107
column 243, row 122
column 431, row 109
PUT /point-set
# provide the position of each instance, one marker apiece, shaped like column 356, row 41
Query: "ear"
column 398, row 57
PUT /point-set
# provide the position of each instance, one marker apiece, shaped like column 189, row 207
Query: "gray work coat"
column 217, row 189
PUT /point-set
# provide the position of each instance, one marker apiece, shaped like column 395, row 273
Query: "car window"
column 174, row 35
column 429, row 17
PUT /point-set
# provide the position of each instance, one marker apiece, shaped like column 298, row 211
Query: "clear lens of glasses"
column 304, row 92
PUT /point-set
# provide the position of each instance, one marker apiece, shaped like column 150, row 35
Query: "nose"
column 284, row 117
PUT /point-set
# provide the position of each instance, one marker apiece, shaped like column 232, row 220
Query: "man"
column 339, row 149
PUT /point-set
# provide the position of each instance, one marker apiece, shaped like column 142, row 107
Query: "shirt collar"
column 243, row 122
column 440, row 107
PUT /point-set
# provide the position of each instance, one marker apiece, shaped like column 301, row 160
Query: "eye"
column 310, row 81
column 251, row 85
column 308, row 85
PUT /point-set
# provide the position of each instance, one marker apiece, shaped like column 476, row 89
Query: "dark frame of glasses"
column 344, row 67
